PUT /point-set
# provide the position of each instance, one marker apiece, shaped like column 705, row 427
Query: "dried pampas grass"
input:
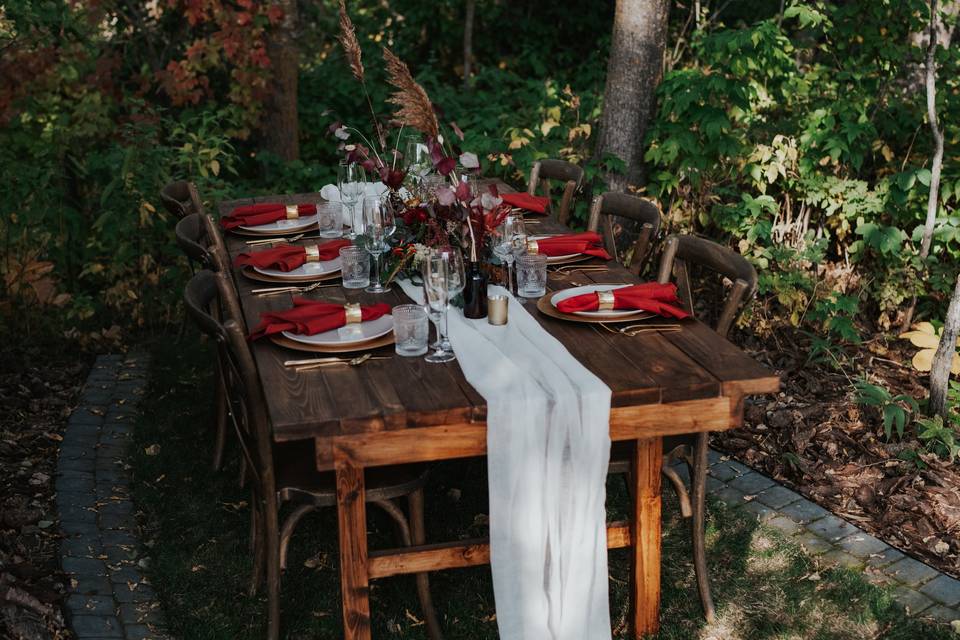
column 414, row 108
column 348, row 40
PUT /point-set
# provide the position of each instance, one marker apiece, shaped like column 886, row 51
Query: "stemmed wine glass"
column 511, row 242
column 351, row 179
column 443, row 280
column 416, row 158
column 377, row 225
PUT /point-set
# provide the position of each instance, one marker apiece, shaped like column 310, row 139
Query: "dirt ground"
column 815, row 438
column 38, row 389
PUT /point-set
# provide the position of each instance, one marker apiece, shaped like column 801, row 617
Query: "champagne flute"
column 443, row 279
column 351, row 180
column 377, row 225
column 511, row 242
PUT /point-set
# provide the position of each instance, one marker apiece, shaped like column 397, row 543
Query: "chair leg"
column 256, row 546
column 220, row 437
column 419, row 536
column 287, row 530
column 698, row 482
column 413, row 532
column 272, row 543
column 682, row 494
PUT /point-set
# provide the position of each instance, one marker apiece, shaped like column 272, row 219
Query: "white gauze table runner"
column 548, row 445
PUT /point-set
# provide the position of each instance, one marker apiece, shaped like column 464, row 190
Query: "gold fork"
column 569, row 268
column 272, row 291
column 254, row 243
column 637, row 329
column 352, row 362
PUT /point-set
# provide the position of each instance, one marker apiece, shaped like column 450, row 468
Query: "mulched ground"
column 814, row 437
column 38, row 389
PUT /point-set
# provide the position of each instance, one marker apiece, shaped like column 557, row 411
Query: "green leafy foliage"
column 896, row 410
column 800, row 140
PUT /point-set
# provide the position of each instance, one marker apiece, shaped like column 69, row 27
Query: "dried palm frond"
column 414, row 108
column 348, row 39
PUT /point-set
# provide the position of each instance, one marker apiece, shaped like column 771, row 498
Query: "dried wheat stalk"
column 413, row 105
column 348, row 39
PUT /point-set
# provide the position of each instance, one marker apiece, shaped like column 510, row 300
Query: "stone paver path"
column 923, row 590
column 109, row 597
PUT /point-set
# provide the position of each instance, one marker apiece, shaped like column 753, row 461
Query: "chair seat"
column 621, row 451
column 298, row 479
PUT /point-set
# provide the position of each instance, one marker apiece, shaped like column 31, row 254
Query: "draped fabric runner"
column 548, row 445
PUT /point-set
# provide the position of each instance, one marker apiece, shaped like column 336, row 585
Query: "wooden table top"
column 399, row 393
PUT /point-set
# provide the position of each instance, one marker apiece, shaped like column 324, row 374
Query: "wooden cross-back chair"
column 201, row 241
column 680, row 252
column 567, row 173
column 608, row 213
column 282, row 473
column 181, row 198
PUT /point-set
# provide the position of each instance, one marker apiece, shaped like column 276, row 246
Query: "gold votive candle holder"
column 497, row 309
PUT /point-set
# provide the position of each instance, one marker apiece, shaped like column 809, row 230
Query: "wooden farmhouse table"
column 405, row 410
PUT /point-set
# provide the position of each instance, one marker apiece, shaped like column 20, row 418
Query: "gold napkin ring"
column 532, row 247
column 313, row 253
column 606, row 300
column 293, row 212
column 352, row 311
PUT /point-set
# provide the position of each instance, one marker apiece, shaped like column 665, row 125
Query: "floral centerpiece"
column 448, row 211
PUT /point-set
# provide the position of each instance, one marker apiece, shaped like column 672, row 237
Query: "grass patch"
column 196, row 529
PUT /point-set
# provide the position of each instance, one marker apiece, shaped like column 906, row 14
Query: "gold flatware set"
column 272, row 291
column 316, row 363
column 261, row 241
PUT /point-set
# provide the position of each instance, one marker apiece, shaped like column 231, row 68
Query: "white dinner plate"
column 556, row 259
column 592, row 288
column 284, row 225
column 348, row 334
column 305, row 270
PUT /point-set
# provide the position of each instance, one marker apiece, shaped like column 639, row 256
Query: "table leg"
column 352, row 523
column 645, row 543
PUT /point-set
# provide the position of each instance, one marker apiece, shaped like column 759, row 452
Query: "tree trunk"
column 943, row 359
column 930, row 80
column 633, row 73
column 468, row 42
column 280, row 130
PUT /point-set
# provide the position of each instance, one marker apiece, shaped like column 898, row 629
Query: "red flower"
column 445, row 166
column 393, row 178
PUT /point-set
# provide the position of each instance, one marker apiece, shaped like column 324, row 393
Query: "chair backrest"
column 680, row 252
column 247, row 413
column 192, row 238
column 567, row 173
column 202, row 242
column 620, row 217
column 181, row 198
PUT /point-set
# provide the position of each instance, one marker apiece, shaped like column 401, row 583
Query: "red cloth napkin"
column 252, row 215
column 289, row 257
column 534, row 204
column 309, row 317
column 588, row 243
column 660, row 299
